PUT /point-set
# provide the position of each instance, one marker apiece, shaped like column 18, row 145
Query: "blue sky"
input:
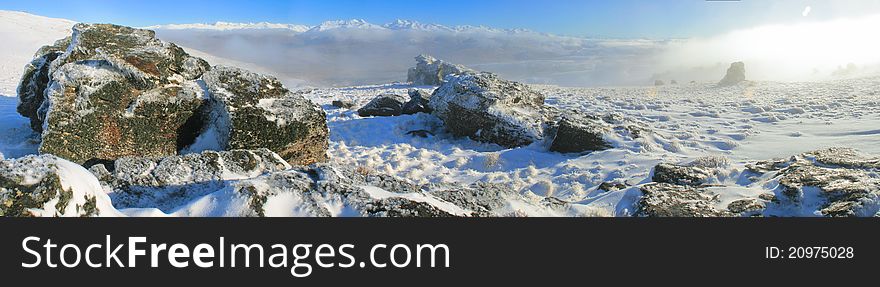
column 622, row 18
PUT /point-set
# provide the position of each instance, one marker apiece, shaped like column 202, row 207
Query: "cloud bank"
column 342, row 53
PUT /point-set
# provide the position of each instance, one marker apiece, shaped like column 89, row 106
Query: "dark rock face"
column 489, row 109
column 430, row 71
column 846, row 181
column 576, row 134
column 736, row 73
column 384, row 105
column 418, row 102
column 681, row 175
column 342, row 104
column 670, row 200
column 111, row 91
column 250, row 110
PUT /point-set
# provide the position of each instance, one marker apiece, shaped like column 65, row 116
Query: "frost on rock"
column 431, row 72
column 736, row 73
column 487, row 108
column 49, row 186
column 109, row 91
column 174, row 180
column 250, row 110
column 842, row 181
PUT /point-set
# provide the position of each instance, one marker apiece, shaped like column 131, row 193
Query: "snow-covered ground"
column 741, row 124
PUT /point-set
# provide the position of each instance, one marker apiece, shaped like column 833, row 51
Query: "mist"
column 371, row 55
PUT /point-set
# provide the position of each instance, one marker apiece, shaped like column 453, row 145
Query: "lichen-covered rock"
column 93, row 112
column 418, row 102
column 110, row 91
column 580, row 134
column 384, row 105
column 430, row 71
column 249, row 110
column 747, row 207
column 49, row 186
column 680, row 174
column 670, row 200
column 137, row 53
column 843, row 182
column 736, row 73
column 486, row 108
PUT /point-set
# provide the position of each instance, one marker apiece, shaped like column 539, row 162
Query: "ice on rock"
column 431, row 72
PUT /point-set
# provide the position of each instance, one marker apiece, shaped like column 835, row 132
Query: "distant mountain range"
column 398, row 24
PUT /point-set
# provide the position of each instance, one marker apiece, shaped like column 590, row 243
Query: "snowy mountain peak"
column 401, row 24
column 345, row 24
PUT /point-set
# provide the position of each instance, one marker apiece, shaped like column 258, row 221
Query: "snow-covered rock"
column 250, row 110
column 827, row 182
column 736, row 73
column 49, row 186
column 670, row 200
column 431, row 71
column 112, row 91
column 486, row 108
column 384, row 105
column 575, row 133
column 418, row 102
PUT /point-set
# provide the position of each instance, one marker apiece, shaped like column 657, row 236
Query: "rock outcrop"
column 249, row 110
column 670, row 200
column 431, row 72
column 486, row 108
column 576, row 134
column 384, row 105
column 843, row 181
column 736, row 73
column 111, row 91
column 49, row 186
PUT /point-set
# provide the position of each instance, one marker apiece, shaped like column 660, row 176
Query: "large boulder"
column 49, row 186
column 384, row 105
column 430, row 71
column 736, row 73
column 576, row 134
column 249, row 110
column 486, row 108
column 111, row 91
